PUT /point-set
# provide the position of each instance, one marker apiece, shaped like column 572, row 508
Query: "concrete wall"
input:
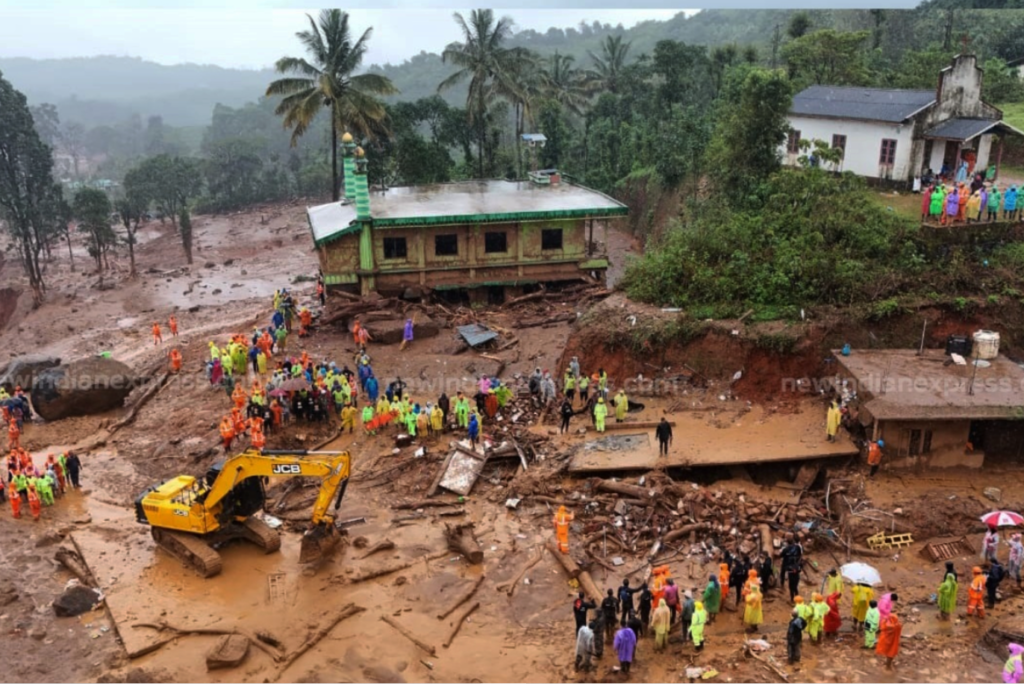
column 960, row 92
column 863, row 144
column 524, row 258
column 948, row 442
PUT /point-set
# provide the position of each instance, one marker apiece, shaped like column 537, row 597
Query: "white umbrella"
column 861, row 573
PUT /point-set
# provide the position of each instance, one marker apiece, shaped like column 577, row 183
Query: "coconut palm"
column 522, row 84
column 567, row 85
column 328, row 80
column 609, row 65
column 486, row 62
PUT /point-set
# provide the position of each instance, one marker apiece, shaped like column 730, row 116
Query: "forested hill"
column 98, row 90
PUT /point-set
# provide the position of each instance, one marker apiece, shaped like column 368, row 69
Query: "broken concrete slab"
column 389, row 331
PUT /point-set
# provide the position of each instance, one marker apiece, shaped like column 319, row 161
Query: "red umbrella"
column 1002, row 519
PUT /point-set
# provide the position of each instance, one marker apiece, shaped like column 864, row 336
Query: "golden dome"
column 347, row 138
column 359, row 152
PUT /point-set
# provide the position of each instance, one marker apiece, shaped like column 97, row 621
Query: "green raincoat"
column 947, row 594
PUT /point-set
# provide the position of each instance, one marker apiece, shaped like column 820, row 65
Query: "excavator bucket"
column 318, row 542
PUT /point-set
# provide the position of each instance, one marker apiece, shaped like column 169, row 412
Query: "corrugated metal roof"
column 476, row 334
column 328, row 221
column 966, row 129
column 870, row 104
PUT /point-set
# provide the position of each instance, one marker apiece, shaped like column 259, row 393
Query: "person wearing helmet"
column 875, row 455
column 600, row 413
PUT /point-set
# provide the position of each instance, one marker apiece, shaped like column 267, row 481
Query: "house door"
column 926, row 162
column 949, row 160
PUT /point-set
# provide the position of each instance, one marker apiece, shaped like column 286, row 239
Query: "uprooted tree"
column 30, row 202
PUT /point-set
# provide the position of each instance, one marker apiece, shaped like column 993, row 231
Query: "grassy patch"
column 905, row 204
column 1013, row 113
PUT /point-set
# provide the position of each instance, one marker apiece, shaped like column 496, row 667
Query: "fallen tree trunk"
column 178, row 632
column 384, row 545
column 533, row 296
column 510, row 587
column 427, row 503
column 685, row 530
column 458, row 624
column 74, row 562
column 589, row 586
column 766, row 540
column 564, row 559
column 380, row 572
column 148, row 394
column 624, row 489
column 345, row 613
column 465, row 596
column 549, row 320
column 462, row 540
column 426, row 648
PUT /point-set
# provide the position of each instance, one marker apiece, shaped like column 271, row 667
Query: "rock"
column 229, row 262
column 49, row 539
column 24, row 369
column 209, row 264
column 216, row 291
column 82, row 388
column 76, row 600
column 38, row 632
column 390, row 331
column 992, row 493
column 230, row 651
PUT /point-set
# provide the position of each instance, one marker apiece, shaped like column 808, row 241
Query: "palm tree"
column 483, row 59
column 329, row 82
column 567, row 85
column 523, row 82
column 608, row 67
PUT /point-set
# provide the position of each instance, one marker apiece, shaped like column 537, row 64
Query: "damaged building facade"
column 489, row 238
column 931, row 412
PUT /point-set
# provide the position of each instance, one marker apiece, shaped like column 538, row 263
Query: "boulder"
column 390, row 331
column 82, row 388
column 24, row 369
column 230, row 651
column 75, row 600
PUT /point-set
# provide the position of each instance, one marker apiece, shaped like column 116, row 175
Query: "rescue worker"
column 700, row 618
column 976, row 593
column 875, row 455
column 172, row 323
column 14, row 498
column 580, row 606
column 832, row 421
column 584, row 387
column 753, row 614
column 947, row 595
column 437, row 420
column 661, row 621
column 795, row 637
column 44, row 490
column 817, row 625
column 804, row 611
column 621, row 406
column 462, row 410
column 227, row 432
column 723, row 580
column 569, row 385
column 175, row 361
column 833, row 583
column 13, row 436
column 712, row 597
column 561, row 521
column 871, row 622
column 348, row 417
column 369, row 421
column 157, row 337
column 34, row 504
column 473, row 430
column 862, row 594
column 1013, row 670
column 238, row 396
column 889, row 639
column 600, row 413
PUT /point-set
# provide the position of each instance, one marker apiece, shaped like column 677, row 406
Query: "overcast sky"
column 255, row 33
column 253, row 38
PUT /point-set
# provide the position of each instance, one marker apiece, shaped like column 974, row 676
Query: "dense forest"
column 682, row 119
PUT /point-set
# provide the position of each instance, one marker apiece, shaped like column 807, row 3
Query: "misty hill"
column 98, row 90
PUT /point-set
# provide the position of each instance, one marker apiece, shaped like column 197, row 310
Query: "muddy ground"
column 527, row 636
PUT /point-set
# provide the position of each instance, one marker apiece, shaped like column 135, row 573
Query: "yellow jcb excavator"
column 189, row 516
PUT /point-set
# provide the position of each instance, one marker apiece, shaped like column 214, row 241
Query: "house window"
column 793, row 144
column 446, row 245
column 394, row 248
column 496, row 243
column 887, row 156
column 839, row 143
column 551, row 238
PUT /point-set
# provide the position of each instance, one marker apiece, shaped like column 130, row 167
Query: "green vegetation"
column 92, row 209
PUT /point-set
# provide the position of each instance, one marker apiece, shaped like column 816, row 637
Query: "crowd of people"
column 963, row 202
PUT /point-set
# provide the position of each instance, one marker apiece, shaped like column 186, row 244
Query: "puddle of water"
column 619, row 443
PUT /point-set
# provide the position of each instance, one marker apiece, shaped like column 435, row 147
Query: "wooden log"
column 426, row 503
column 766, row 540
column 462, row 598
column 178, row 632
column 387, row 570
column 685, row 530
column 624, row 489
column 426, row 648
column 462, row 540
column 384, row 545
column 74, row 562
column 533, row 296
column 589, row 586
column 458, row 624
column 148, row 394
column 510, row 587
column 552, row 500
column 564, row 559
column 345, row 613
column 773, row 668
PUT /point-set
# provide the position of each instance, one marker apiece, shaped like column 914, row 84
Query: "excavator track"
column 260, row 534
column 191, row 550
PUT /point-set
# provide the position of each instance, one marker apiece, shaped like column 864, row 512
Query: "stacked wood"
column 462, row 540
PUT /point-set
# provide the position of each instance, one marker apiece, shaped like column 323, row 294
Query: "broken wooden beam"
column 564, row 559
column 633, row 491
column 426, row 648
column 462, row 598
column 458, row 624
column 461, row 539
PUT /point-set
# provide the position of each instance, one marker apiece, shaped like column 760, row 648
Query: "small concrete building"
column 931, row 412
column 895, row 135
column 491, row 238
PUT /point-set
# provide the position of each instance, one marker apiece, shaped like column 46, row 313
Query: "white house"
column 895, row 135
